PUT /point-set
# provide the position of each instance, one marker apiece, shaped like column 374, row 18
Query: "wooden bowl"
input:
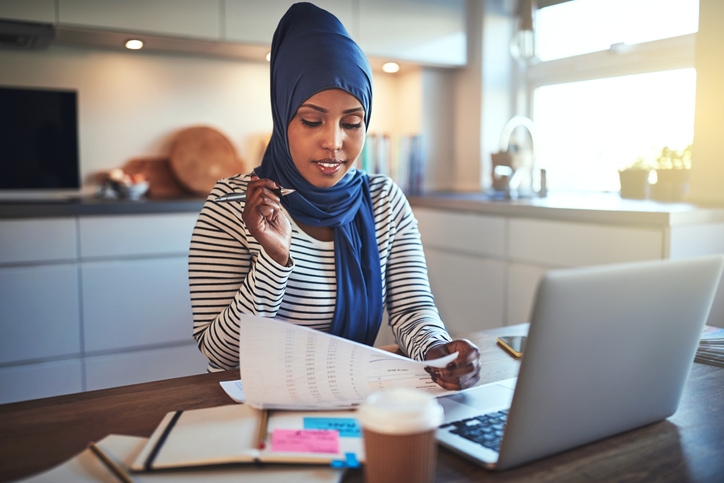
column 200, row 156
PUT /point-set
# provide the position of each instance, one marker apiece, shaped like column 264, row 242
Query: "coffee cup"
column 399, row 428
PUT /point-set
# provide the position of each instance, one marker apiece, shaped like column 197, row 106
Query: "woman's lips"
column 329, row 166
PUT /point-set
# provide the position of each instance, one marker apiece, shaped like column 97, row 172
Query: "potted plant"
column 672, row 174
column 634, row 179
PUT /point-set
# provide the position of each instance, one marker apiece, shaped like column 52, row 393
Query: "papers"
column 234, row 390
column 711, row 346
column 285, row 366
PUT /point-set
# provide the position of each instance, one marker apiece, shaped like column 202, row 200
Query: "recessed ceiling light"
column 134, row 44
column 391, row 67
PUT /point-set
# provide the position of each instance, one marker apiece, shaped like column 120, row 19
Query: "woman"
column 340, row 249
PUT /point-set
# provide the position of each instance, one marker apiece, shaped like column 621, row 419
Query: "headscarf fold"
column 312, row 52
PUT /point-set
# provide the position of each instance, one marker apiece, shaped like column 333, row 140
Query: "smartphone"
column 515, row 344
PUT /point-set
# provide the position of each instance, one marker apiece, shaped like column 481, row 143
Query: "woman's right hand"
column 265, row 219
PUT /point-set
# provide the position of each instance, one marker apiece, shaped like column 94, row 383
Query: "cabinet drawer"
column 39, row 312
column 574, row 244
column 462, row 232
column 33, row 381
column 523, row 281
column 37, row 240
column 254, row 21
column 696, row 240
column 135, row 303
column 128, row 236
column 469, row 292
column 180, row 18
column 33, row 11
column 427, row 31
column 143, row 366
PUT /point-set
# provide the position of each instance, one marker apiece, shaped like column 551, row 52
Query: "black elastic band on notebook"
column 161, row 440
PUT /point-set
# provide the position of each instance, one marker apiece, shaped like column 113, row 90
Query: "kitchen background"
column 131, row 104
column 97, row 301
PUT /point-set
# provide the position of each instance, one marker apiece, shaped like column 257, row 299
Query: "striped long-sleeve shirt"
column 231, row 274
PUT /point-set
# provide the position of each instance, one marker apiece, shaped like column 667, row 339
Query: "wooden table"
column 689, row 446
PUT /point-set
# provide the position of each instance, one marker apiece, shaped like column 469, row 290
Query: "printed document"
column 286, row 366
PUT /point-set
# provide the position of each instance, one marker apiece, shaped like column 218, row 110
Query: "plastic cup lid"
column 400, row 411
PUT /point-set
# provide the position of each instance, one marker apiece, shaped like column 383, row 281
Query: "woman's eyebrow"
column 323, row 110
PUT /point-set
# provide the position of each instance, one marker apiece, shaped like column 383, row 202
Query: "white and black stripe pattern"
column 230, row 274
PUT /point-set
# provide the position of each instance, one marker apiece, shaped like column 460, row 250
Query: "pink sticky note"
column 306, row 440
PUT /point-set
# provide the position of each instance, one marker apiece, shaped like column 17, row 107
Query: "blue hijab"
column 312, row 52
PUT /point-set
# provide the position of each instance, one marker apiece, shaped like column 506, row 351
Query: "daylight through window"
column 615, row 81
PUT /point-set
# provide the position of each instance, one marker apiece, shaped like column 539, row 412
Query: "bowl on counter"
column 133, row 191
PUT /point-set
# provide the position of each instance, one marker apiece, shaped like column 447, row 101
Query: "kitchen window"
column 613, row 80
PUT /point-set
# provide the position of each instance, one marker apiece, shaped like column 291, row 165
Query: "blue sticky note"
column 347, row 427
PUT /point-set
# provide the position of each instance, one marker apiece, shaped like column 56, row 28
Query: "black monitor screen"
column 38, row 139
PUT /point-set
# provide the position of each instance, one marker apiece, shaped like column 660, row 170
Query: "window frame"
column 619, row 60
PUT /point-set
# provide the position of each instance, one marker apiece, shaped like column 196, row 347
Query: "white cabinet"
column 554, row 243
column 254, row 21
column 94, row 301
column 38, row 289
column 39, row 312
column 38, row 240
column 521, row 288
column 40, row 379
column 698, row 240
column 469, row 291
column 484, row 269
column 465, row 254
column 177, row 18
column 28, row 10
column 132, row 303
column 135, row 280
column 431, row 32
column 468, row 233
column 120, row 369
column 428, row 31
column 135, row 235
column 538, row 245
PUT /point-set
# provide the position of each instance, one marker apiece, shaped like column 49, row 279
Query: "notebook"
column 609, row 349
column 239, row 433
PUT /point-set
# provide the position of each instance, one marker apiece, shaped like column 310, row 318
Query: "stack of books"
column 711, row 346
column 398, row 156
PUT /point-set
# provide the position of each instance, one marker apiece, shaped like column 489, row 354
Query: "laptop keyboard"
column 486, row 430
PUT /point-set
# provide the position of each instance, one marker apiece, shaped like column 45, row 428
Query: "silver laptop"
column 608, row 350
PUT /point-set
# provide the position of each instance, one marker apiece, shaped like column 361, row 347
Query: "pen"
column 263, row 423
column 110, row 464
column 242, row 196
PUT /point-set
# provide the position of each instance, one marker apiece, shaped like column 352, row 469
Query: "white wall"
column 132, row 104
column 707, row 164
column 397, row 106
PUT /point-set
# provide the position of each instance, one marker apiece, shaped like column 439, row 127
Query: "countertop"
column 581, row 207
column 600, row 208
column 84, row 206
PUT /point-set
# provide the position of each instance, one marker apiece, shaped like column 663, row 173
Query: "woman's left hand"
column 461, row 373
